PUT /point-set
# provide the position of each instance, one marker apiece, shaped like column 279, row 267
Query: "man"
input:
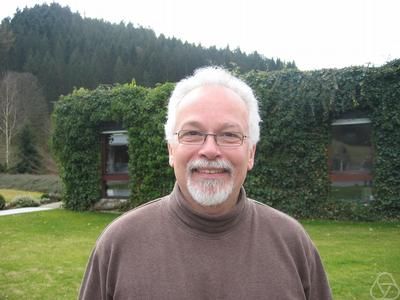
column 207, row 240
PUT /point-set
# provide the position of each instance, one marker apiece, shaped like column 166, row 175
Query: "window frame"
column 106, row 176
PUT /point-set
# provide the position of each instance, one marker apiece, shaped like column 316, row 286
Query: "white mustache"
column 213, row 164
column 210, row 164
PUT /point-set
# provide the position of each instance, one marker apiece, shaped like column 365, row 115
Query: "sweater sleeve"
column 94, row 284
column 319, row 287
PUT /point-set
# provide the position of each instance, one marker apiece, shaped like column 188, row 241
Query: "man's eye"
column 192, row 133
column 231, row 135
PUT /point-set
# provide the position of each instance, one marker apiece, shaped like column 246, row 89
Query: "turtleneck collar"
column 200, row 223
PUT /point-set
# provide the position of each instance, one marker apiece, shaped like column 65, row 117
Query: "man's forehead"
column 192, row 123
column 205, row 92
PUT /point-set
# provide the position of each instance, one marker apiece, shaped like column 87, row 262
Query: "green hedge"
column 297, row 110
column 382, row 92
column 291, row 170
column 78, row 118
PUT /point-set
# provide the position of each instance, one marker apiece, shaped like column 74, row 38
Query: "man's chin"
column 209, row 194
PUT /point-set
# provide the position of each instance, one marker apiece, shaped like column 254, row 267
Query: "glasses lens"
column 190, row 137
column 225, row 139
column 230, row 139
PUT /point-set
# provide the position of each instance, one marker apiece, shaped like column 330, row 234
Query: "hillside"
column 65, row 50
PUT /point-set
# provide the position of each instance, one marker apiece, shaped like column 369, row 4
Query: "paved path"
column 15, row 211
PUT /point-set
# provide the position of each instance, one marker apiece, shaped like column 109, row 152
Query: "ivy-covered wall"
column 291, row 171
column 78, row 120
column 382, row 93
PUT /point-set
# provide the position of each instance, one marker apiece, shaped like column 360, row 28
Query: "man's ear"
column 252, row 154
column 171, row 155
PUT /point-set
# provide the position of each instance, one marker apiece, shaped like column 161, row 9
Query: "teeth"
column 211, row 171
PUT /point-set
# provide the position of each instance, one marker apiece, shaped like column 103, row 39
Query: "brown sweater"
column 165, row 250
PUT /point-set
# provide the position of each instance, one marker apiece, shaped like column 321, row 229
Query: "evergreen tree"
column 6, row 42
column 64, row 50
column 121, row 71
column 29, row 160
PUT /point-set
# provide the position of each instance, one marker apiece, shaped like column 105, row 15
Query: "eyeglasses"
column 224, row 139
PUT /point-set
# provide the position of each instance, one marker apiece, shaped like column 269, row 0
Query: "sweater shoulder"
column 134, row 222
column 283, row 228
column 270, row 212
column 277, row 220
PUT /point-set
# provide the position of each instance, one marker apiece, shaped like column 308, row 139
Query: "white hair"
column 213, row 76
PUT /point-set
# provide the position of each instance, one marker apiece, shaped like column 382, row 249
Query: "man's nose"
column 210, row 148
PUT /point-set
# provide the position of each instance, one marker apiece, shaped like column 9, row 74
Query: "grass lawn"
column 9, row 194
column 355, row 253
column 44, row 254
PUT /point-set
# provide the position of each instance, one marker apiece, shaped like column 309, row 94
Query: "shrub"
column 3, row 168
column 2, row 202
column 50, row 198
column 45, row 196
column 55, row 197
column 45, row 199
column 23, row 201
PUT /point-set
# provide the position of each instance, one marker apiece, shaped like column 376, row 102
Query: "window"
column 117, row 153
column 351, row 159
column 115, row 161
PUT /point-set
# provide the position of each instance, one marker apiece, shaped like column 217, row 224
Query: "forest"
column 47, row 51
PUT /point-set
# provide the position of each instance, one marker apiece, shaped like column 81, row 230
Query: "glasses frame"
column 215, row 135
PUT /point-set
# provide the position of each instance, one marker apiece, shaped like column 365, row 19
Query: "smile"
column 210, row 171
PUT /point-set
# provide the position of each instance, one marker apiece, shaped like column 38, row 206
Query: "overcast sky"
column 314, row 33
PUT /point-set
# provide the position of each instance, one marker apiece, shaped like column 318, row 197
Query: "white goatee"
column 210, row 192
